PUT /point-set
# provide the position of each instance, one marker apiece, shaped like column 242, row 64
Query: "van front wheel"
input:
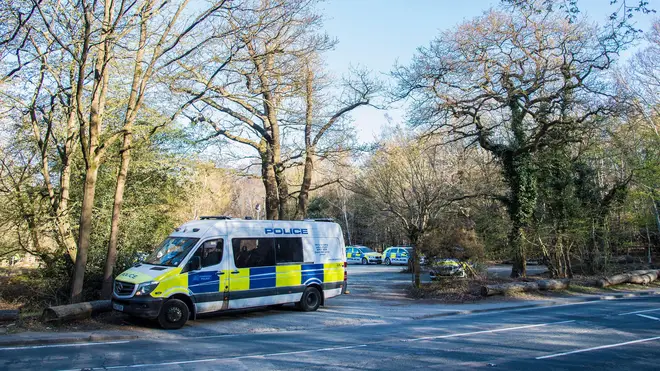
column 173, row 315
column 311, row 300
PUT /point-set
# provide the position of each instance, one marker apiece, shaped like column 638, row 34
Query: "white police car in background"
column 400, row 255
column 362, row 255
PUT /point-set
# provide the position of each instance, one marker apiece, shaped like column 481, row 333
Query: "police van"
column 219, row 263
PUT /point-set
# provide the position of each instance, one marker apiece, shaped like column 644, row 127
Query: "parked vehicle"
column 447, row 267
column 362, row 255
column 220, row 263
column 396, row 255
column 400, row 255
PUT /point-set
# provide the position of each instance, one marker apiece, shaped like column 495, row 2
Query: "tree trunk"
column 270, row 184
column 508, row 288
column 301, row 211
column 111, row 257
column 84, row 232
column 134, row 103
column 303, row 196
column 72, row 312
column 638, row 277
column 567, row 261
column 62, row 213
column 62, row 218
column 9, row 315
column 92, row 152
column 283, row 192
column 516, row 241
column 656, row 213
column 414, row 234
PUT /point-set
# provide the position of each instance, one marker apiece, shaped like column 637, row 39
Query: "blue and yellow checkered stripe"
column 286, row 276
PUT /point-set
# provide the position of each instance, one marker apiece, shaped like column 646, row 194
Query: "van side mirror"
column 195, row 263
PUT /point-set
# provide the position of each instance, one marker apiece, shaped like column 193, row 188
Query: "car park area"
column 377, row 327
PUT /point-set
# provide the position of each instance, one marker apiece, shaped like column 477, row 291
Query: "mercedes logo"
column 118, row 286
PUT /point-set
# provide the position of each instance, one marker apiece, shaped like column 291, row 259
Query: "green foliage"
column 155, row 188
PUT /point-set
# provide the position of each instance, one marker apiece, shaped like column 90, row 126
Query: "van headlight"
column 146, row 288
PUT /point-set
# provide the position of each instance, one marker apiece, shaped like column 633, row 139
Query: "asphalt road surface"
column 377, row 327
column 621, row 335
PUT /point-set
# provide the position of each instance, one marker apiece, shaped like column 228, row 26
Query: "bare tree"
column 640, row 89
column 359, row 89
column 513, row 82
column 243, row 88
column 415, row 180
column 161, row 53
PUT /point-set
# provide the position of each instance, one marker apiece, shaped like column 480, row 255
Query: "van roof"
column 217, row 226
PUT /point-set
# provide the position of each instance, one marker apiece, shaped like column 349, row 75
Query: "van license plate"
column 118, row 307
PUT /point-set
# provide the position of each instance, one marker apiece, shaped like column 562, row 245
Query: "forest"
column 526, row 136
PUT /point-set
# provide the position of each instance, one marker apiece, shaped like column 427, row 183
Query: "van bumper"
column 138, row 307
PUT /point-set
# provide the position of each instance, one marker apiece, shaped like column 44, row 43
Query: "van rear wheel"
column 173, row 315
column 311, row 300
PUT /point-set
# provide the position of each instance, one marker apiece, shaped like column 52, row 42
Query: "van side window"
column 289, row 250
column 210, row 252
column 253, row 252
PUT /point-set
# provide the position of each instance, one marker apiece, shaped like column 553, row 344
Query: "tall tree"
column 507, row 80
column 325, row 112
column 162, row 52
column 245, row 86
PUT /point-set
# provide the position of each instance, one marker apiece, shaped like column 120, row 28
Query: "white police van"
column 220, row 263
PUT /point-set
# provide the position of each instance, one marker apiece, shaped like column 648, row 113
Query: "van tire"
column 173, row 315
column 388, row 261
column 365, row 261
column 310, row 300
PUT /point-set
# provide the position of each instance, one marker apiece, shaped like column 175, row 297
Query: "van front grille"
column 124, row 288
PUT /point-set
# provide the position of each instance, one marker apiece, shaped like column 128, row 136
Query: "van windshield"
column 172, row 251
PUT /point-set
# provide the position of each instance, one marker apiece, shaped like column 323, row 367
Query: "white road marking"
column 649, row 317
column 363, row 314
column 640, row 311
column 600, row 347
column 542, row 307
column 222, row 359
column 213, row 336
column 64, row 345
column 348, row 312
column 487, row 331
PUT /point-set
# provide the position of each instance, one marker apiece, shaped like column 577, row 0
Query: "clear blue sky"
column 377, row 33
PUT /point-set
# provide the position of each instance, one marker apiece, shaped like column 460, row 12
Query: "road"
column 622, row 334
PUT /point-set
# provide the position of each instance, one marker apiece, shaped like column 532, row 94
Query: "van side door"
column 208, row 284
column 289, row 257
column 253, row 278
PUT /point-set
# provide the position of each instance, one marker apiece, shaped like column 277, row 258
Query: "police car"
column 447, row 267
column 397, row 255
column 220, row 263
column 400, row 255
column 362, row 255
